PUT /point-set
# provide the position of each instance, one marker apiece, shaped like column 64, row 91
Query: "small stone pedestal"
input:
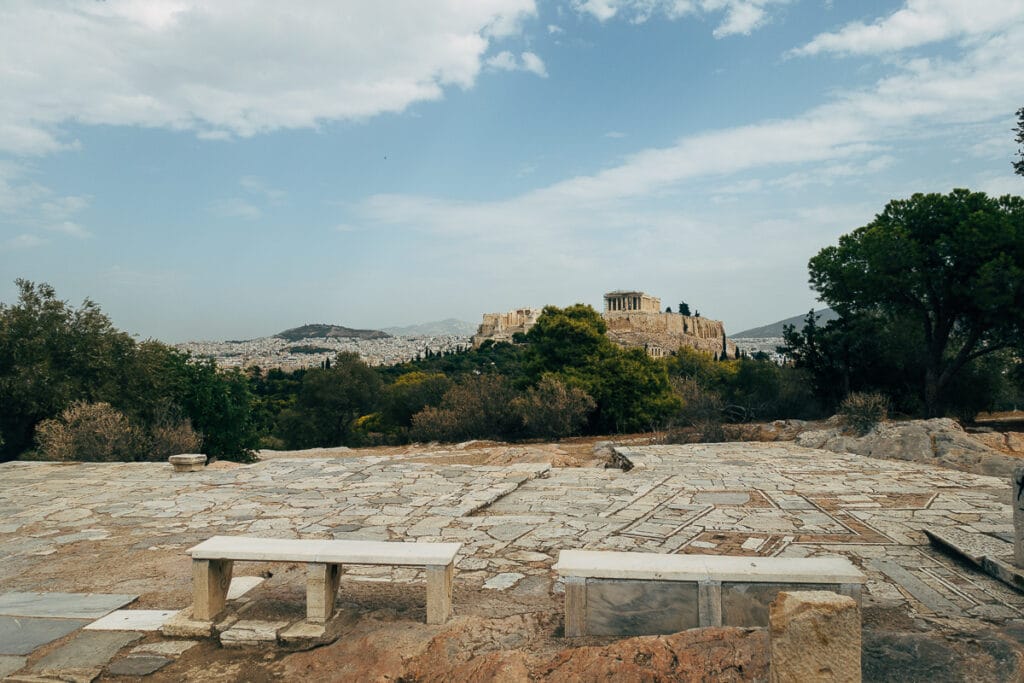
column 188, row 462
column 1017, row 503
column 814, row 636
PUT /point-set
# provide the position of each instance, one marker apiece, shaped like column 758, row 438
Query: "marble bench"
column 212, row 561
column 628, row 593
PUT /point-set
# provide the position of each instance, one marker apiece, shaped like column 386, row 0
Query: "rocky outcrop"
column 815, row 636
column 940, row 442
column 506, row 649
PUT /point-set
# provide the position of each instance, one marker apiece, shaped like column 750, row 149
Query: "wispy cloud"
column 917, row 23
column 740, row 16
column 527, row 61
column 236, row 207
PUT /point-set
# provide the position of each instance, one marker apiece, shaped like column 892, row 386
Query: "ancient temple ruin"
column 634, row 320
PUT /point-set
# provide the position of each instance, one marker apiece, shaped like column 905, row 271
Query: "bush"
column 552, row 409
column 860, row 412
column 97, row 432
column 478, row 407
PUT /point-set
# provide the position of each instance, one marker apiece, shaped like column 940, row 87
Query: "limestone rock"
column 939, row 441
column 815, row 636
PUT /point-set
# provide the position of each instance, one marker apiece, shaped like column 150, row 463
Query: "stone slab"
column 989, row 553
column 182, row 625
column 503, row 581
column 659, row 567
column 722, row 497
column 132, row 620
column 924, row 593
column 240, row 585
column 255, row 549
column 62, row 605
column 166, row 648
column 89, row 649
column 138, row 665
column 251, row 632
column 22, row 635
column 9, row 664
column 632, row 608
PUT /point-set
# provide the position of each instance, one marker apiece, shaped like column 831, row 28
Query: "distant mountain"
column 775, row 329
column 328, row 331
column 438, row 328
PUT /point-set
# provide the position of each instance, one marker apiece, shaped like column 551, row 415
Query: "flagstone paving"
column 740, row 499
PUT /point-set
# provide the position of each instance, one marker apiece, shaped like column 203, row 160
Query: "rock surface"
column 815, row 636
column 940, row 442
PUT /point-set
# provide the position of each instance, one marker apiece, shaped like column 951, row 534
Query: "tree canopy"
column 951, row 266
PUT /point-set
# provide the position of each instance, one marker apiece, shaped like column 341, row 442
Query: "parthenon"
column 620, row 300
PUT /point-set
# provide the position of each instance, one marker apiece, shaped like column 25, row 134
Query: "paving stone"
column 252, row 632
column 22, row 635
column 132, row 620
column 138, row 665
column 503, row 581
column 89, row 649
column 166, row 648
column 61, row 605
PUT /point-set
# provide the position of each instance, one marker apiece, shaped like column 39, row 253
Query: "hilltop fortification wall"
column 664, row 333
column 501, row 326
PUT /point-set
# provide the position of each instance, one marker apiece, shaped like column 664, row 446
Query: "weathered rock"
column 910, row 657
column 940, row 442
column 188, row 462
column 815, row 636
column 138, row 665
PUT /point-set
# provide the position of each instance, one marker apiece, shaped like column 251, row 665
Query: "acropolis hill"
column 634, row 320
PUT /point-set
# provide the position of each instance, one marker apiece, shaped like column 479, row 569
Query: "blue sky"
column 227, row 170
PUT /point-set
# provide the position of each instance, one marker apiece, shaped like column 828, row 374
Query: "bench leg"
column 210, row 582
column 321, row 588
column 575, row 606
column 709, row 603
column 439, row 592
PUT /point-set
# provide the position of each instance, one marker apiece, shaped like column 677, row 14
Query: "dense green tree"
column 571, row 337
column 50, row 356
column 411, row 393
column 951, row 265
column 684, row 308
column 329, row 402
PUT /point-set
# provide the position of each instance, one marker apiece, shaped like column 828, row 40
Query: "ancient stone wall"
column 501, row 326
column 664, row 333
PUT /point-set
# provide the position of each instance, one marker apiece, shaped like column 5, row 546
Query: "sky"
column 229, row 169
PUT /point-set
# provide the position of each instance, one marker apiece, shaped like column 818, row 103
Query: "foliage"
column 950, row 265
column 553, row 409
column 411, row 393
column 97, row 432
column 1018, row 166
column 684, row 308
column 477, row 407
column 861, row 412
column 329, row 401
column 53, row 355
column 50, row 356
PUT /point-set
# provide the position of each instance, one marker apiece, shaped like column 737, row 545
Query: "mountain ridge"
column 775, row 329
column 323, row 330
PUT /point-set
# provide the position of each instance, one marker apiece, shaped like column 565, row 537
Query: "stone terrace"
column 739, row 499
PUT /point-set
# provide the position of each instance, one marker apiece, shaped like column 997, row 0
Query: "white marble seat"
column 706, row 572
column 212, row 562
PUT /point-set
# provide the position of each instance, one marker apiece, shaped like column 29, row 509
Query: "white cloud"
column 503, row 61
column 24, row 241
column 234, row 67
column 855, row 136
column 919, row 22
column 741, row 16
column 554, row 29
column 236, row 207
column 71, row 229
column 534, row 64
column 527, row 61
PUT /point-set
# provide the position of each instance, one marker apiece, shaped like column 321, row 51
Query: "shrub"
column 552, row 409
column 97, row 432
column 860, row 412
column 93, row 432
column 478, row 407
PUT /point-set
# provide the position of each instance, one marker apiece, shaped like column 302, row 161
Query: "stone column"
column 1018, row 515
column 814, row 636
